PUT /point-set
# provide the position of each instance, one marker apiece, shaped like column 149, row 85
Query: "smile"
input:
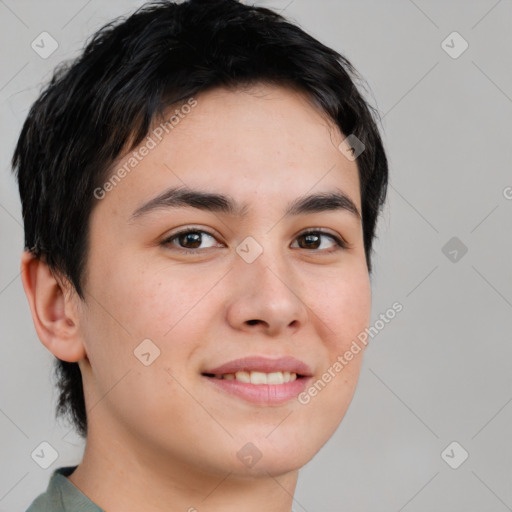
column 255, row 377
column 250, row 386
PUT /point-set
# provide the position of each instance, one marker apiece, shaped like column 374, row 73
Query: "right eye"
column 188, row 239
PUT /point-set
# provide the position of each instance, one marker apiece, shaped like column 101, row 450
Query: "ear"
column 54, row 312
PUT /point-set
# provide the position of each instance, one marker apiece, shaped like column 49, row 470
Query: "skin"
column 161, row 436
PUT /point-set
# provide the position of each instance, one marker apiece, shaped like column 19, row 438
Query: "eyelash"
column 338, row 240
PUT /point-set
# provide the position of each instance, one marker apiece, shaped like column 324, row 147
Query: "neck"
column 117, row 476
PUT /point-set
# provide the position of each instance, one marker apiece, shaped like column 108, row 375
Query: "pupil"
column 311, row 238
column 197, row 237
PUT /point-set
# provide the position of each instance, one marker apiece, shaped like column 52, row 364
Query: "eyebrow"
column 177, row 197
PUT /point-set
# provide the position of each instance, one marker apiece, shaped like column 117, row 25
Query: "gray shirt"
column 62, row 496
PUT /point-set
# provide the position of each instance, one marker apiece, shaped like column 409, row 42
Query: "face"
column 165, row 310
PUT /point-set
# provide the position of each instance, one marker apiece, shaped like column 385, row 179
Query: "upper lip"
column 263, row 364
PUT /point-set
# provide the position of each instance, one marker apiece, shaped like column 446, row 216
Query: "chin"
column 275, row 454
column 270, row 465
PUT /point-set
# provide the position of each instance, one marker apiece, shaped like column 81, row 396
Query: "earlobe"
column 53, row 311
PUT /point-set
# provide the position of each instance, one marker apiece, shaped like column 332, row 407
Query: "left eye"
column 313, row 239
column 191, row 239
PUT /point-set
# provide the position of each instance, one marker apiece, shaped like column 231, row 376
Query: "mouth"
column 261, row 380
column 258, row 378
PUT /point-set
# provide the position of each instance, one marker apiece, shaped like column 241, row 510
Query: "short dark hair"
column 129, row 73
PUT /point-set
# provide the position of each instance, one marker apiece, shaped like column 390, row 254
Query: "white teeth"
column 260, row 377
column 257, row 377
column 274, row 378
column 243, row 376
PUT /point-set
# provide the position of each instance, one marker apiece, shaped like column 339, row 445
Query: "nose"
column 267, row 296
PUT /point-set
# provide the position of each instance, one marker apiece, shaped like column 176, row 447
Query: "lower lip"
column 262, row 394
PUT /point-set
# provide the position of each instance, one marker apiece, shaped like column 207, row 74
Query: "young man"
column 200, row 192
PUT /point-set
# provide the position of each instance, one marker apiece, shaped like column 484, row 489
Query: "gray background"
column 441, row 370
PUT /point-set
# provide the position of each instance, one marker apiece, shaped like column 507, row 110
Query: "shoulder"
column 62, row 496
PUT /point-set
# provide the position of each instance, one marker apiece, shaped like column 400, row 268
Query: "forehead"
column 264, row 139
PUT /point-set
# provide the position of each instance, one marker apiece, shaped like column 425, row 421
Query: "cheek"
column 145, row 301
column 344, row 306
column 130, row 307
column 161, row 311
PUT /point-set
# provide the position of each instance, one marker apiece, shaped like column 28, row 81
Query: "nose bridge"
column 264, row 261
column 266, row 287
